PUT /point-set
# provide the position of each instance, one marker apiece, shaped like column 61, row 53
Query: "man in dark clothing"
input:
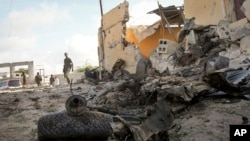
column 68, row 65
column 24, row 79
column 38, row 79
column 51, row 80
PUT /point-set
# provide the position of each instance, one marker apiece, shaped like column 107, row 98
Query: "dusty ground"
column 20, row 111
column 208, row 119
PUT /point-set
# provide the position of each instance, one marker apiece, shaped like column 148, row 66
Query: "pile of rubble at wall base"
column 215, row 54
column 140, row 103
column 213, row 60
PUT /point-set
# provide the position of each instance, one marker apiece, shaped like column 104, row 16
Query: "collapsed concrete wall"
column 147, row 37
column 116, row 41
column 208, row 44
column 161, row 57
column 112, row 36
column 239, row 33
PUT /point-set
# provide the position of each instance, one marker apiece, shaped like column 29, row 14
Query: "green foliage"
column 20, row 70
column 83, row 68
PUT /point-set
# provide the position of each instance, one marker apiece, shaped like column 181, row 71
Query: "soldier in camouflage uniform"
column 68, row 65
column 38, row 79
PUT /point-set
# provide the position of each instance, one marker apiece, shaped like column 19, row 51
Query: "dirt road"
column 206, row 120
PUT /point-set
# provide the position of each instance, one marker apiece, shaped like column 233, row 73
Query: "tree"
column 83, row 68
column 20, row 70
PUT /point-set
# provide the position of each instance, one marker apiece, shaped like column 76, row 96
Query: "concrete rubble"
column 245, row 9
column 203, row 66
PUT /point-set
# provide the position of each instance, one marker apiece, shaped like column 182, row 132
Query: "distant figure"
column 52, row 80
column 38, row 79
column 68, row 65
column 24, row 79
column 57, row 82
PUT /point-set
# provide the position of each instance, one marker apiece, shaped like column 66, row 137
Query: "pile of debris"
column 213, row 61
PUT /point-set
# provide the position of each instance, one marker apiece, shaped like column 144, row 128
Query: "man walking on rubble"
column 68, row 65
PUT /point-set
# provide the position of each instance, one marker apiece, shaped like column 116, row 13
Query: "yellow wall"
column 147, row 45
column 112, row 45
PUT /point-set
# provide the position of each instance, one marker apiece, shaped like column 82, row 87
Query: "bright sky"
column 42, row 30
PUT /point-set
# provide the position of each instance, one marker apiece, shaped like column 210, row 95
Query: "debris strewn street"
column 191, row 89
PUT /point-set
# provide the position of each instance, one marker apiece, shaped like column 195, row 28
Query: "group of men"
column 54, row 81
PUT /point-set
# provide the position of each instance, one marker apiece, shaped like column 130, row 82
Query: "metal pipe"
column 101, row 7
column 101, row 48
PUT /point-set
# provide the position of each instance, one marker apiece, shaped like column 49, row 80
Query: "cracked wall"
column 209, row 11
column 112, row 42
column 116, row 41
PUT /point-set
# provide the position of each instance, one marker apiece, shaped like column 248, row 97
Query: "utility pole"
column 101, row 45
column 101, row 7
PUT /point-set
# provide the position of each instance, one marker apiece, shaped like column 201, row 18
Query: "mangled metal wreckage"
column 201, row 52
column 138, row 92
column 204, row 61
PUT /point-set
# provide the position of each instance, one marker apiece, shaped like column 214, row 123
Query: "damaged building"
column 133, row 42
column 202, row 53
column 163, row 36
column 160, row 74
column 210, row 36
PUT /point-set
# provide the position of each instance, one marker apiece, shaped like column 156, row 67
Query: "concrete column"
column 31, row 72
column 12, row 71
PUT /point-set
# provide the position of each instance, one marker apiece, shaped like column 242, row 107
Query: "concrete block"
column 166, row 46
column 246, row 8
column 232, row 52
column 240, row 32
column 161, row 62
column 237, row 61
column 245, row 44
column 233, row 26
column 223, row 30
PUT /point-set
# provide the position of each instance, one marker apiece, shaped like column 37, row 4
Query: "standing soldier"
column 51, row 80
column 38, row 79
column 24, row 79
column 68, row 65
